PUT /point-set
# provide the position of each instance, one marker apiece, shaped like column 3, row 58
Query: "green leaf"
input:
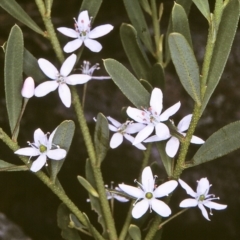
column 101, row 138
column 31, row 67
column 127, row 83
column 92, row 6
column 220, row 143
column 146, row 85
column 145, row 5
column 13, row 69
column 137, row 19
column 14, row 9
column 225, row 35
column 157, row 76
column 8, row 167
column 63, row 223
column 87, row 186
column 134, row 232
column 180, row 22
column 62, row 138
column 203, row 7
column 186, row 65
column 134, row 51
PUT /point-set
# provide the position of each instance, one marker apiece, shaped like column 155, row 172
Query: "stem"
column 154, row 228
column 55, row 189
column 95, row 166
column 84, row 95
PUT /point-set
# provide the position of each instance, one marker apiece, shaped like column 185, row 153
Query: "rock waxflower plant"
column 147, row 124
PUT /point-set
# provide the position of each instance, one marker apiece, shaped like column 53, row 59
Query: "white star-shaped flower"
column 148, row 193
column 201, row 198
column 42, row 147
column 84, row 34
column 60, row 79
column 124, row 130
column 152, row 117
column 173, row 143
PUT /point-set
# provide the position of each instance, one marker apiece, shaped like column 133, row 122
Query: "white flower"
column 201, row 198
column 148, row 193
column 152, row 117
column 84, row 34
column 124, row 130
column 28, row 88
column 173, row 143
column 60, row 79
column 42, row 147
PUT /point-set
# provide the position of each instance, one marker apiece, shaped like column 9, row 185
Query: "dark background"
column 27, row 202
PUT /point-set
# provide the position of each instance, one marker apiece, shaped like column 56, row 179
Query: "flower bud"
column 28, row 88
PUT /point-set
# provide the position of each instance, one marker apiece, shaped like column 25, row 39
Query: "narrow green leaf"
column 92, row 6
column 186, row 65
column 146, row 85
column 225, row 35
column 8, row 167
column 127, row 83
column 145, row 5
column 14, row 9
column 62, row 138
column 63, row 223
column 157, row 76
column 203, row 7
column 134, row 51
column 74, row 222
column 137, row 19
column 134, row 232
column 101, row 137
column 180, row 22
column 220, row 143
column 87, row 186
column 186, row 4
column 13, row 69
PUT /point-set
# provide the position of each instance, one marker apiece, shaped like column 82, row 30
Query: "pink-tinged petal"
column 100, row 31
column 165, row 188
column 162, row 131
column 197, row 140
column 153, row 138
column 189, row 202
column 68, row 32
column 48, row 68
column 68, row 65
column 75, row 79
column 156, row 101
column 143, row 134
column 114, row 122
column 45, row 88
column 38, row 163
column 170, row 111
column 183, row 125
column 136, row 114
column 65, row 94
column 28, row 88
column 112, row 128
column 204, row 211
column 147, row 179
column 72, row 45
column 116, row 140
column 132, row 191
column 172, row 146
column 187, row 188
column 134, row 128
column 28, row 151
column 39, row 137
column 161, row 208
column 140, row 208
column 93, row 45
column 203, row 187
column 57, row 154
column 84, row 20
column 213, row 205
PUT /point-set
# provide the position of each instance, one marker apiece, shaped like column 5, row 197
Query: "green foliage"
column 92, row 6
column 8, row 167
column 203, row 7
column 87, row 186
column 157, row 76
column 134, row 232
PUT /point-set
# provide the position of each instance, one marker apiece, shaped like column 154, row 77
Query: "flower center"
column 60, row 79
column 202, row 197
column 42, row 148
column 149, row 195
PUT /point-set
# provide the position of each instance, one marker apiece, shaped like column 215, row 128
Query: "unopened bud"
column 28, row 88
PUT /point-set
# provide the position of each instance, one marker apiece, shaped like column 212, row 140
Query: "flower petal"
column 165, row 188
column 204, row 211
column 57, row 154
column 48, row 68
column 65, row 94
column 38, row 163
column 77, row 79
column 112, row 128
column 131, row 139
column 172, row 146
column 136, row 114
column 203, row 187
column 153, row 138
column 114, row 122
column 68, row 65
column 73, row 45
column 28, row 151
column 147, row 179
column 156, row 100
column 162, row 131
column 93, row 45
column 161, row 208
column 143, row 134
column 140, row 208
column 169, row 112
column 68, row 32
column 189, row 202
column 28, row 88
column 134, row 128
column 45, row 88
column 83, row 20
column 132, row 191
column 100, row 31
column 116, row 140
column 187, row 188
column 39, row 137
column 183, row 125
column 197, row 140
column 213, row 205
column 50, row 139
